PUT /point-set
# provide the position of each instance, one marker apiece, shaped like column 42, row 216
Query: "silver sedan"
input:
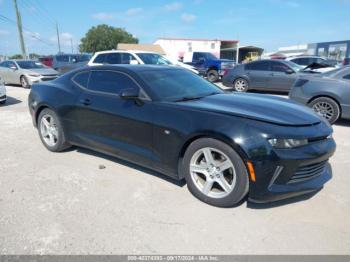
column 25, row 72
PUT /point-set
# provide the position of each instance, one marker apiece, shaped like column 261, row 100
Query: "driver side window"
column 279, row 67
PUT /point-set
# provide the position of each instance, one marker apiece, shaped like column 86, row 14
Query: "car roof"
column 305, row 56
column 124, row 51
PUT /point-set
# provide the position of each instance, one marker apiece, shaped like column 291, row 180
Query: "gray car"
column 328, row 94
column 25, row 72
column 269, row 75
column 66, row 62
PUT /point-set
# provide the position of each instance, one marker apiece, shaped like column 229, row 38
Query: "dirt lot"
column 64, row 204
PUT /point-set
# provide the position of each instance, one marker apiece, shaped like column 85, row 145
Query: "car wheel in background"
column 51, row 132
column 24, row 82
column 327, row 108
column 240, row 85
column 215, row 173
column 213, row 75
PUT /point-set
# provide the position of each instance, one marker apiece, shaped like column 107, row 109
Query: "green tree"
column 16, row 56
column 104, row 37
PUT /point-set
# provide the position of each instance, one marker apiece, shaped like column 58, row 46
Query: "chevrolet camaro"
column 225, row 145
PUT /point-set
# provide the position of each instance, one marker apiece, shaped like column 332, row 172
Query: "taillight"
column 300, row 82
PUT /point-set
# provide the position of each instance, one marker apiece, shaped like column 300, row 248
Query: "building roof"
column 142, row 47
column 197, row 39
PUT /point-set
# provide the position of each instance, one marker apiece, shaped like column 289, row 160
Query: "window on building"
column 212, row 46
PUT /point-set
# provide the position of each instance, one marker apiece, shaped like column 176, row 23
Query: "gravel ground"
column 63, row 203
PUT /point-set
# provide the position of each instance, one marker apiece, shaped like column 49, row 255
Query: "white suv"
column 2, row 92
column 134, row 57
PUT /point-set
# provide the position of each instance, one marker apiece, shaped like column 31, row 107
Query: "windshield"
column 210, row 56
column 153, row 59
column 178, row 84
column 82, row 58
column 30, row 64
column 294, row 66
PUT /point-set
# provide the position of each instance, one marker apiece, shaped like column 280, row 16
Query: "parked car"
column 168, row 119
column 346, row 61
column 2, row 92
column 327, row 94
column 270, row 75
column 25, row 72
column 116, row 57
column 67, row 62
column 310, row 62
column 208, row 64
column 46, row 60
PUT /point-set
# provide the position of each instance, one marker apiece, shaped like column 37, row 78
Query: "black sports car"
column 168, row 119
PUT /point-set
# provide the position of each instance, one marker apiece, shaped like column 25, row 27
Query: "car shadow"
column 148, row 171
column 342, row 122
column 11, row 101
column 283, row 202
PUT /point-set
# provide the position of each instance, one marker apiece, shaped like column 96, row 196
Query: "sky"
column 265, row 23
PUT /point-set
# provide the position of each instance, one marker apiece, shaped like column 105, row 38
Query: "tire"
column 240, row 85
column 24, row 82
column 213, row 75
column 51, row 131
column 326, row 107
column 208, row 182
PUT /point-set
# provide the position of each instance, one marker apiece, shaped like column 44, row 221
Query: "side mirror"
column 133, row 62
column 290, row 71
column 129, row 94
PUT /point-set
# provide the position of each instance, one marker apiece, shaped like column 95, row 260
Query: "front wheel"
column 240, row 85
column 215, row 173
column 24, row 82
column 213, row 75
column 51, row 132
column 327, row 108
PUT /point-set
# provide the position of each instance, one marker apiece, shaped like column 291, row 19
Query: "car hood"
column 265, row 108
column 42, row 71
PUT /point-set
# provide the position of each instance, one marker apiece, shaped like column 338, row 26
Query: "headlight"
column 287, row 143
column 34, row 75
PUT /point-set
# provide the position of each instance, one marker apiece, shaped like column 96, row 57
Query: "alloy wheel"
column 324, row 109
column 241, row 85
column 212, row 172
column 48, row 130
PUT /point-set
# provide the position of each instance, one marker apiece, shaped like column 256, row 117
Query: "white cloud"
column 103, row 16
column 188, row 18
column 134, row 11
column 4, row 32
column 65, row 39
column 173, row 6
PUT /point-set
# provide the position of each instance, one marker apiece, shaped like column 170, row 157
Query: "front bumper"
column 292, row 172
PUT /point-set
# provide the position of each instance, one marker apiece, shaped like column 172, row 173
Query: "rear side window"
column 114, row 58
column 82, row 79
column 100, row 59
column 110, row 82
column 279, row 67
column 258, row 66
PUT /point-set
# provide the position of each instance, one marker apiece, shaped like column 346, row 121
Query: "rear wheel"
column 327, row 108
column 24, row 82
column 213, row 75
column 215, row 173
column 240, row 85
column 51, row 132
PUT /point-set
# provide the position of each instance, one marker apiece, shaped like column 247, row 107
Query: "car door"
column 106, row 122
column 12, row 73
column 198, row 62
column 281, row 77
column 258, row 72
column 4, row 71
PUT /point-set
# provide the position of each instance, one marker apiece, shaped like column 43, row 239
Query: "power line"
column 32, row 34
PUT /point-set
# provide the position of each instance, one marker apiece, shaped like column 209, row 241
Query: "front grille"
column 47, row 78
column 308, row 172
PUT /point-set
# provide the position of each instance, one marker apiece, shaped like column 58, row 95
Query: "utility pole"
column 58, row 39
column 20, row 31
column 71, row 44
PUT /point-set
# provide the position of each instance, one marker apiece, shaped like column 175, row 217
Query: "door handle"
column 85, row 102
